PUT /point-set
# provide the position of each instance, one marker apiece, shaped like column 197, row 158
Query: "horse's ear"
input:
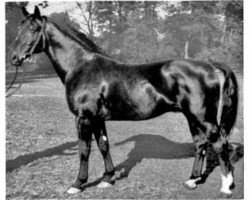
column 25, row 12
column 37, row 13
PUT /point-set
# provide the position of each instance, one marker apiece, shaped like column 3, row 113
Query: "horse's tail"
column 228, row 104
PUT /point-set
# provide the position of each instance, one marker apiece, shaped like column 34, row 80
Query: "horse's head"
column 30, row 39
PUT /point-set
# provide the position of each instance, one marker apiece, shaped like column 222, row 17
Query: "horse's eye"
column 34, row 28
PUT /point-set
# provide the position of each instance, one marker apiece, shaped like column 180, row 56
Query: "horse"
column 100, row 88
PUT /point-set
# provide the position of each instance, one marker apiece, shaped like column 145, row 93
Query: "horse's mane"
column 79, row 37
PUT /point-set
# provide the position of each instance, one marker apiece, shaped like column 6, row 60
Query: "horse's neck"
column 64, row 53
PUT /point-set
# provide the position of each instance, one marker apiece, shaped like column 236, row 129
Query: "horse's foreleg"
column 85, row 136
column 200, row 142
column 103, row 144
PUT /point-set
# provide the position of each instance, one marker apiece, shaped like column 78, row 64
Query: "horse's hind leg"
column 200, row 142
column 103, row 144
column 220, row 145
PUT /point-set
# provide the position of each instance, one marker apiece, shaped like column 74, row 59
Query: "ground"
column 42, row 160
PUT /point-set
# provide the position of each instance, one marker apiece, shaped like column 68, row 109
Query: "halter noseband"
column 40, row 35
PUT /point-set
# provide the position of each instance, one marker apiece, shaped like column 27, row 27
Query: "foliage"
column 142, row 44
column 230, row 53
column 136, row 31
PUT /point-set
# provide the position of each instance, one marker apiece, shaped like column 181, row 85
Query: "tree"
column 233, row 23
column 112, row 21
column 115, row 18
column 199, row 25
column 133, row 31
column 142, row 44
column 86, row 9
column 228, row 45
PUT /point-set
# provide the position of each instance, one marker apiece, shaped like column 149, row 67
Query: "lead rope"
column 12, row 80
column 12, row 83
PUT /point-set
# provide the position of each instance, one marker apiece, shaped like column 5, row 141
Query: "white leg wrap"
column 191, row 183
column 226, row 183
column 73, row 190
column 104, row 185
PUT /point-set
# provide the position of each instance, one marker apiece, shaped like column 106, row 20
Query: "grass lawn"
column 42, row 160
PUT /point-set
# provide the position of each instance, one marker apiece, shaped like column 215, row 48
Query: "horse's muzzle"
column 15, row 60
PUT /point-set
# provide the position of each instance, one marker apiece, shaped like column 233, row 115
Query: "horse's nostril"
column 14, row 57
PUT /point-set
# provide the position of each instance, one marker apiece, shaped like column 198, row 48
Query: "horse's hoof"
column 190, row 184
column 104, row 185
column 232, row 186
column 226, row 194
column 73, row 190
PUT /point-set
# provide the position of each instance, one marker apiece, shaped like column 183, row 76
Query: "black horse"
column 99, row 88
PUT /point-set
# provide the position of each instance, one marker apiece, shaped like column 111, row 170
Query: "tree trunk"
column 224, row 33
column 120, row 12
column 89, row 20
column 231, row 35
column 186, row 55
column 146, row 9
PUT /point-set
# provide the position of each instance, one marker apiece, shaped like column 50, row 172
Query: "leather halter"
column 40, row 36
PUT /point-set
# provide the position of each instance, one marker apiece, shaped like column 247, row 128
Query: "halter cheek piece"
column 40, row 36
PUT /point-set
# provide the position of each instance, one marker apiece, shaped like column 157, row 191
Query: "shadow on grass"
column 153, row 146
column 158, row 147
column 16, row 163
column 146, row 146
column 149, row 146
